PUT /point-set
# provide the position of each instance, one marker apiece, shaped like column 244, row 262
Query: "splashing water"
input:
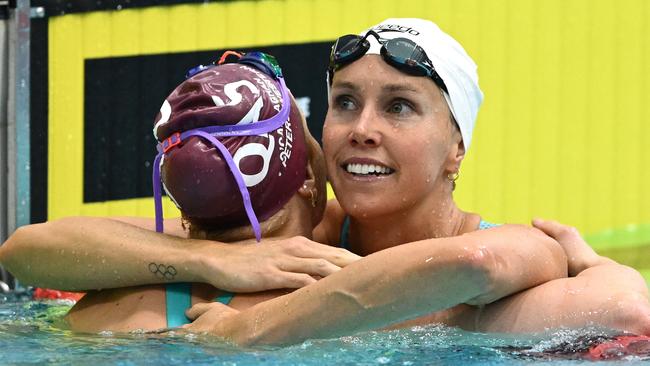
column 34, row 332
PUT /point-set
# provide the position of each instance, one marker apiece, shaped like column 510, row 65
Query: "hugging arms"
column 374, row 292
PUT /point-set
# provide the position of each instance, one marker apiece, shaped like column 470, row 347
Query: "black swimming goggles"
column 401, row 53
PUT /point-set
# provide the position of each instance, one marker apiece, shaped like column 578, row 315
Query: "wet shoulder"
column 329, row 229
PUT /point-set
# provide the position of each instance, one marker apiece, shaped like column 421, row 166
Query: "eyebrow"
column 399, row 87
column 388, row 87
column 345, row 85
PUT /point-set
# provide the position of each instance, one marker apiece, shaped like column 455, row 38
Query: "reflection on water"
column 33, row 332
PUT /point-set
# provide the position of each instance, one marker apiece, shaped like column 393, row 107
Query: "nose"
column 365, row 132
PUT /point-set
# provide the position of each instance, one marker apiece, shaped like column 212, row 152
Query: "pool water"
column 33, row 333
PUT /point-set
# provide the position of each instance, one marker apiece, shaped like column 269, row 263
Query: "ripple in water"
column 33, row 332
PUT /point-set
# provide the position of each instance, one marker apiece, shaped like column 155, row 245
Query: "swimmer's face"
column 395, row 124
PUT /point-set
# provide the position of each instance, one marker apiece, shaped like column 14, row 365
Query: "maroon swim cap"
column 194, row 173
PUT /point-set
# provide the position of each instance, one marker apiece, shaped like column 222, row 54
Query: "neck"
column 433, row 218
column 294, row 219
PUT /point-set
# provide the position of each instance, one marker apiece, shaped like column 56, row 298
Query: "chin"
column 364, row 207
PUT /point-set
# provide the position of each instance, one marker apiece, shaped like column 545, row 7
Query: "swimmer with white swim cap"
column 403, row 101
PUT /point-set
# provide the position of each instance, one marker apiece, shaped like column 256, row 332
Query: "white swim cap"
column 450, row 61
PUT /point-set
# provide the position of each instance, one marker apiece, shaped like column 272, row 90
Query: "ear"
column 456, row 153
column 308, row 189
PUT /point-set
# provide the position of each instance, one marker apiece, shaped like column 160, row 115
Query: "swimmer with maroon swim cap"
column 220, row 177
column 234, row 152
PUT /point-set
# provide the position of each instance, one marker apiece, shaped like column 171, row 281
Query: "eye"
column 401, row 107
column 345, row 102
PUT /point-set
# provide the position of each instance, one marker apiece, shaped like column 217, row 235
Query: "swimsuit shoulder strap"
column 224, row 298
column 178, row 298
column 345, row 229
column 486, row 225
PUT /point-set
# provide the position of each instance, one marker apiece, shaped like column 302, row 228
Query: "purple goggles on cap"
column 269, row 66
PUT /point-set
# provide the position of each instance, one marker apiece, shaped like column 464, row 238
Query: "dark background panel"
column 123, row 95
column 61, row 7
column 38, row 119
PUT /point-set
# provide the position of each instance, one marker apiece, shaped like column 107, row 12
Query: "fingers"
column 311, row 266
column 201, row 308
column 554, row 229
column 305, row 248
column 292, row 280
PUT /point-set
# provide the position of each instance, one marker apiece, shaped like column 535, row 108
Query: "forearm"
column 522, row 257
column 396, row 284
column 386, row 287
column 90, row 253
column 607, row 295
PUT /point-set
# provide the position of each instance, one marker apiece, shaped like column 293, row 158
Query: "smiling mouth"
column 367, row 169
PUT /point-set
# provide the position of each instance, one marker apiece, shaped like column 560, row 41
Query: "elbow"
column 558, row 262
column 10, row 249
column 631, row 313
column 555, row 261
column 483, row 267
column 16, row 252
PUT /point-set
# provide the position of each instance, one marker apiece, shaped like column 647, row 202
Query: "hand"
column 580, row 255
column 272, row 264
column 207, row 316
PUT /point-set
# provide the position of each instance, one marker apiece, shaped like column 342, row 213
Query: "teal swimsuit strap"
column 178, row 298
column 486, row 225
column 345, row 229
column 224, row 298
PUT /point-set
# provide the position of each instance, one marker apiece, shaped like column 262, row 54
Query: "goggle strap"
column 157, row 196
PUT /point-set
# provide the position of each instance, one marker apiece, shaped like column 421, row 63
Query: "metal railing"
column 14, row 122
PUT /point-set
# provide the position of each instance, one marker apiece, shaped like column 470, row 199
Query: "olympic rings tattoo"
column 163, row 271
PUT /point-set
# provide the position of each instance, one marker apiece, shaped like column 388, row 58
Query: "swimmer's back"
column 144, row 307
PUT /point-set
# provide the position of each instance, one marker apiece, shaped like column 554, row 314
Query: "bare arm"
column 81, row 253
column 396, row 284
column 602, row 293
column 608, row 295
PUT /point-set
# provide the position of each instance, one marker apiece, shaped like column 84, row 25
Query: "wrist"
column 202, row 265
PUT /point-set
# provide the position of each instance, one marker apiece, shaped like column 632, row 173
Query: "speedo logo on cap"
column 395, row 28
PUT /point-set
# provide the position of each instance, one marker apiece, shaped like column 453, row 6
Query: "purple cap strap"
column 211, row 133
